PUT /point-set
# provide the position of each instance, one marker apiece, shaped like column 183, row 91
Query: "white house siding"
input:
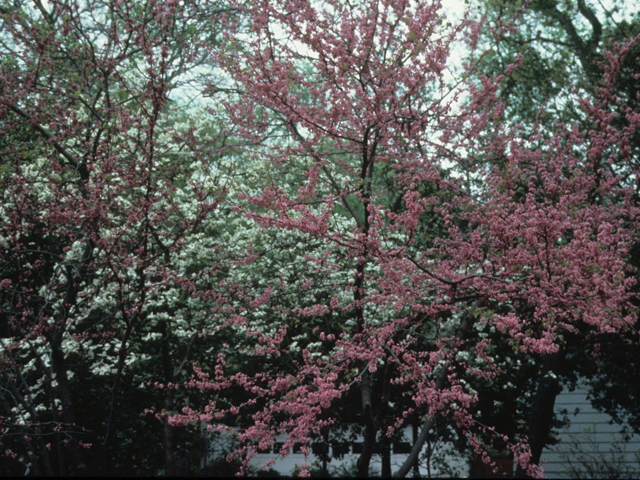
column 286, row 465
column 590, row 447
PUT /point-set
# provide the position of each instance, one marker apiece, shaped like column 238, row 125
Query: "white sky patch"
column 454, row 8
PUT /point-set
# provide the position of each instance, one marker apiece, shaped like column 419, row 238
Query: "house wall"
column 590, row 447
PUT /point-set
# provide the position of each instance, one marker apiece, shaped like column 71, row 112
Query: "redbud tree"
column 381, row 251
column 421, row 243
column 101, row 185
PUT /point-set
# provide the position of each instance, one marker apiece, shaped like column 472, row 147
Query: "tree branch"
column 46, row 134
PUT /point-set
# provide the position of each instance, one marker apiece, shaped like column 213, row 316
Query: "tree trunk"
column 68, row 415
column 414, row 438
column 370, row 430
column 122, row 353
column 541, row 417
column 169, row 375
column 169, row 457
column 386, row 457
column 325, row 450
